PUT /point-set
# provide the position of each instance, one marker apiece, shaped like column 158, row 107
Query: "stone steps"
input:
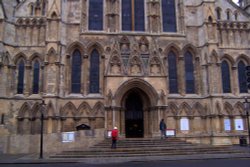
column 145, row 147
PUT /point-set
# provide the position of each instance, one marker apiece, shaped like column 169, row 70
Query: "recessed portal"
column 134, row 116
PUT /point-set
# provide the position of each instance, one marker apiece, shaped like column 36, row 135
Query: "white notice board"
column 227, row 124
column 184, row 124
column 238, row 124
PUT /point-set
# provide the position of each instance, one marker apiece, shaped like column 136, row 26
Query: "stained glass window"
column 168, row 15
column 36, row 74
column 189, row 73
column 76, row 72
column 20, row 79
column 225, row 77
column 172, row 70
column 94, row 72
column 96, row 15
column 242, row 77
column 133, row 15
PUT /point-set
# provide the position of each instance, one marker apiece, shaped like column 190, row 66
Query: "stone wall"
column 19, row 144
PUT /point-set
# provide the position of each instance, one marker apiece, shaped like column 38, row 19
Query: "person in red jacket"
column 114, row 135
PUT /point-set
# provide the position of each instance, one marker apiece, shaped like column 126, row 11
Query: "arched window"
column 76, row 72
column 225, row 77
column 31, row 9
column 94, row 72
column 189, row 73
column 44, row 8
column 168, row 15
column 96, row 15
column 20, row 78
column 242, row 77
column 236, row 16
column 228, row 15
column 172, row 70
column 133, row 17
column 218, row 12
column 36, row 76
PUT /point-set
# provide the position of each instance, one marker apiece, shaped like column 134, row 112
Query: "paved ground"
column 187, row 163
column 204, row 160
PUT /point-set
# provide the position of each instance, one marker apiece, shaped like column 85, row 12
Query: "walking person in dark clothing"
column 114, row 135
column 163, row 128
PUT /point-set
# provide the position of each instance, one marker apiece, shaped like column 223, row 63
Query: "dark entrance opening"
column 134, row 116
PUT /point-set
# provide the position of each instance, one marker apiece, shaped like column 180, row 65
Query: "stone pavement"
column 34, row 158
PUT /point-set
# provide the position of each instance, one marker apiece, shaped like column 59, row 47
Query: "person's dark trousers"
column 113, row 144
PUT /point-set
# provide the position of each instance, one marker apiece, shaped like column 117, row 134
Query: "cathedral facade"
column 125, row 63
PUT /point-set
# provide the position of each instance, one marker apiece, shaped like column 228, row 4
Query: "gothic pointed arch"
column 51, row 57
column 115, row 64
column 172, row 47
column 199, row 109
column 18, row 57
column 244, row 58
column 98, row 110
column 5, row 58
column 229, row 58
column 53, row 11
column 95, row 46
column 25, row 111
column 68, row 110
column 239, row 109
column 50, row 110
column 124, row 39
column 125, row 50
column 190, row 68
column 214, row 57
column 190, row 48
column 135, row 66
column 172, row 109
column 84, row 110
column 185, row 110
column 73, row 46
column 155, row 66
column 141, row 84
column 226, row 65
column 35, row 56
column 228, row 109
column 36, row 111
column 242, row 79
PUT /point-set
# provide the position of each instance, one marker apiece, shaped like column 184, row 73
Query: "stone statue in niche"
column 155, row 66
column 125, row 49
column 135, row 66
column 115, row 65
column 110, row 96
column 144, row 49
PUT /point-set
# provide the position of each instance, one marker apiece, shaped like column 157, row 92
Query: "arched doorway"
column 134, row 126
column 135, row 113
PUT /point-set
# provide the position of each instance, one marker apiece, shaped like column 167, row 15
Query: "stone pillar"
column 232, row 123
column 12, row 79
column 122, row 121
column 177, row 124
column 205, row 80
column 197, row 78
column 204, row 124
column 221, row 120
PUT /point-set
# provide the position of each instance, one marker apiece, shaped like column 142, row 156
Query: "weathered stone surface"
column 129, row 63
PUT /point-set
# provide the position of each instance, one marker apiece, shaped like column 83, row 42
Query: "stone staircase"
column 142, row 148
